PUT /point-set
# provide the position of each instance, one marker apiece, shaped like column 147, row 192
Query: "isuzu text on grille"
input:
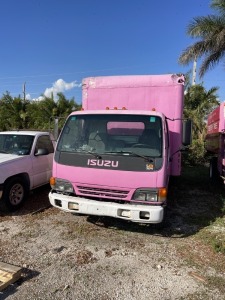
column 102, row 163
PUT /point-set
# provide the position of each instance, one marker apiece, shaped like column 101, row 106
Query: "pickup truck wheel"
column 14, row 194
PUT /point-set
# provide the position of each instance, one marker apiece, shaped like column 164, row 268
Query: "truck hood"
column 4, row 158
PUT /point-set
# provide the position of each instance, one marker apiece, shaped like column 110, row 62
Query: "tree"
column 43, row 112
column 18, row 113
column 198, row 103
column 13, row 112
column 211, row 32
column 40, row 113
column 64, row 107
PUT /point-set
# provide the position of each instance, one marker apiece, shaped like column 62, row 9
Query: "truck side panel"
column 215, row 139
column 215, row 127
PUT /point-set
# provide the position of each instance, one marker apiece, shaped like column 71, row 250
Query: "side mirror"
column 43, row 151
column 187, row 132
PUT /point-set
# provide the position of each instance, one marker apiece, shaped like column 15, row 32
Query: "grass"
column 201, row 205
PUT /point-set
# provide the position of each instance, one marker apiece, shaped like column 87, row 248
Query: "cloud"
column 60, row 86
column 28, row 97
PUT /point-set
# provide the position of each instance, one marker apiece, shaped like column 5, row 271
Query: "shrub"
column 196, row 153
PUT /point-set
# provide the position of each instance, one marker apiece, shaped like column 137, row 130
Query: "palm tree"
column 198, row 103
column 13, row 112
column 43, row 112
column 211, row 32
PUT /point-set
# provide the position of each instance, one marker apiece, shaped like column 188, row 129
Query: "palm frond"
column 211, row 33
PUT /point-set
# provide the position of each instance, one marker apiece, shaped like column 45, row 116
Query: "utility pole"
column 194, row 71
column 24, row 91
column 56, row 128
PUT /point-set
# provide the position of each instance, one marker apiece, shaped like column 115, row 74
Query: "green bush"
column 196, row 153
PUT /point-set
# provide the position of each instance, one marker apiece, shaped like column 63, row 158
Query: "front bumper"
column 131, row 212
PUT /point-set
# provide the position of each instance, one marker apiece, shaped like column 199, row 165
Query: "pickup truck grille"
column 102, row 193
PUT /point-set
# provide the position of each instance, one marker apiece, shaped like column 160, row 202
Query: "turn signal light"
column 52, row 181
column 162, row 194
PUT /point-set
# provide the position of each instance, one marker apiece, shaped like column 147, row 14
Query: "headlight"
column 149, row 195
column 61, row 185
column 145, row 195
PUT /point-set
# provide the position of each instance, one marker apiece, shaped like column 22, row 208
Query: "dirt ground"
column 65, row 256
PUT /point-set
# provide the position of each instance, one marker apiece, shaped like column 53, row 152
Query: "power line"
column 72, row 73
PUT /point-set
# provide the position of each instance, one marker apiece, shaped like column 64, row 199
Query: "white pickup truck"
column 25, row 163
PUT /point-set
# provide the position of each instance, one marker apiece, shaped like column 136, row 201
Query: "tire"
column 213, row 171
column 14, row 195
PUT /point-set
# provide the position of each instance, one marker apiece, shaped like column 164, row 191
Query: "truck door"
column 167, row 148
column 42, row 164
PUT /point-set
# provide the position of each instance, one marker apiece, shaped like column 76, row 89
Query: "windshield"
column 16, row 144
column 113, row 134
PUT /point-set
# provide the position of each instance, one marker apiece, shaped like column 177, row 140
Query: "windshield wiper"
column 96, row 155
column 2, row 151
column 132, row 153
column 79, row 150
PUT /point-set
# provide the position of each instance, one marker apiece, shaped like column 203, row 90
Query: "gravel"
column 65, row 256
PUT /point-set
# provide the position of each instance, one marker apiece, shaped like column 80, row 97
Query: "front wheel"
column 14, row 194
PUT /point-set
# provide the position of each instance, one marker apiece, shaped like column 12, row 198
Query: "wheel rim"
column 16, row 194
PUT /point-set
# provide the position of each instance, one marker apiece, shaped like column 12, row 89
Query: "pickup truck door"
column 42, row 164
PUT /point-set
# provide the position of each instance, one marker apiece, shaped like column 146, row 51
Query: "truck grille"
column 102, row 193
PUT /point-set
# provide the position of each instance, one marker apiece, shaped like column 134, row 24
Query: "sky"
column 51, row 45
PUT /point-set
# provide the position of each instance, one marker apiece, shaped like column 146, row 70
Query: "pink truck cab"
column 115, row 157
column 215, row 142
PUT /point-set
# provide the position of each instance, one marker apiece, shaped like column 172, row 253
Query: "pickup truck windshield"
column 112, row 134
column 16, row 144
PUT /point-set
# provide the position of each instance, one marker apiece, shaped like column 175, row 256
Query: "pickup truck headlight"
column 149, row 195
column 61, row 185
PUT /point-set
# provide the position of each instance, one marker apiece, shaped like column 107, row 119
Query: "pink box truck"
column 215, row 142
column 115, row 157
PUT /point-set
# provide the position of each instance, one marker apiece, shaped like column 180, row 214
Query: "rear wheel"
column 14, row 194
column 213, row 170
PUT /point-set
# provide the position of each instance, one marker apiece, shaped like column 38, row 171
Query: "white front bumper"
column 131, row 212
